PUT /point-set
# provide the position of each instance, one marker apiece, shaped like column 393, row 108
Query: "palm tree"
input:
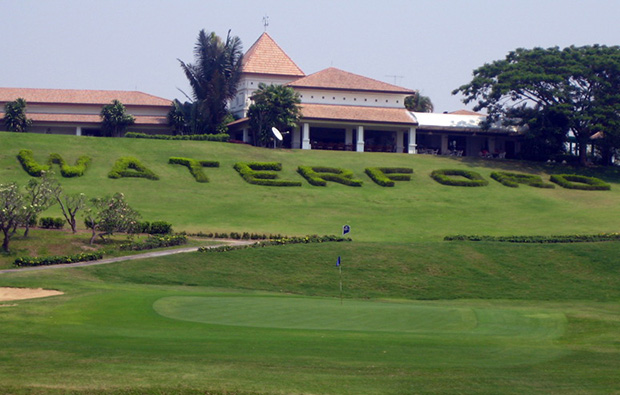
column 115, row 119
column 15, row 119
column 419, row 103
column 273, row 106
column 213, row 77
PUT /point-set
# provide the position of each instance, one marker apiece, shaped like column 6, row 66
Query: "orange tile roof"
column 333, row 78
column 465, row 112
column 75, row 96
column 266, row 57
column 357, row 114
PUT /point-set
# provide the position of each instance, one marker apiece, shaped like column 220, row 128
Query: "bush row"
column 514, row 179
column 222, row 137
column 131, row 167
column 385, row 176
column 281, row 241
column 473, row 179
column 235, row 235
column 319, row 175
column 574, row 181
column 538, row 239
column 57, row 259
column 154, row 242
column 195, row 166
column 263, row 173
column 32, row 167
column 51, row 223
column 155, row 227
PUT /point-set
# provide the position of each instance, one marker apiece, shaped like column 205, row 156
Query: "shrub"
column 30, row 165
column 131, row 167
column 514, row 179
column 155, row 242
column 160, row 228
column 319, row 175
column 385, row 176
column 195, row 166
column 473, row 179
column 574, row 181
column 263, row 173
column 221, row 137
column 538, row 239
column 280, row 241
column 51, row 223
column 57, row 259
column 78, row 170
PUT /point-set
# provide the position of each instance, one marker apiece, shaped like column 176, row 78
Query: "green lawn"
column 418, row 315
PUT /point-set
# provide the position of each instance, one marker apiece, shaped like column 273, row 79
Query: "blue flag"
column 338, row 262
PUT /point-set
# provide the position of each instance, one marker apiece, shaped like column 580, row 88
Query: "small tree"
column 419, row 103
column 39, row 197
column 15, row 119
column 274, row 105
column 111, row 215
column 12, row 211
column 69, row 204
column 115, row 119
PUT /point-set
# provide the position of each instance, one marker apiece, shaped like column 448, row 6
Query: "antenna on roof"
column 396, row 77
column 266, row 22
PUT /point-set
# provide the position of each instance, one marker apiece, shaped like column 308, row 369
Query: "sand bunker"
column 25, row 293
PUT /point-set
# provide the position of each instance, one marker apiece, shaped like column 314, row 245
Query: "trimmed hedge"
column 473, row 179
column 221, row 137
column 236, row 235
column 57, row 259
column 131, row 167
column 51, row 223
column 32, row 167
column 574, row 181
column 514, row 179
column 385, row 176
column 281, row 241
column 155, row 227
column 154, row 242
column 319, row 175
column 263, row 173
column 538, row 239
column 195, row 166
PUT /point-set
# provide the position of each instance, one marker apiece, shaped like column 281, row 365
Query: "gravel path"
column 151, row 254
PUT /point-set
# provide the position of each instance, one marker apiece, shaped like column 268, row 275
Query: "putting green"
column 367, row 316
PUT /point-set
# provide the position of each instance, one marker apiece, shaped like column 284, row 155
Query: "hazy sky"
column 432, row 46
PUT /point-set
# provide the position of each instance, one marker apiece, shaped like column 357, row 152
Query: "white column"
column 444, row 144
column 360, row 139
column 246, row 135
column 412, row 144
column 296, row 143
column 400, row 135
column 348, row 137
column 78, row 131
column 305, row 143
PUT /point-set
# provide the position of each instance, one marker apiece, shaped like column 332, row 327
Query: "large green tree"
column 273, row 106
column 419, row 103
column 15, row 119
column 115, row 119
column 579, row 85
column 213, row 77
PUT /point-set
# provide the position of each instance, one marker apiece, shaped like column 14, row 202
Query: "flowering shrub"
column 282, row 241
column 57, row 259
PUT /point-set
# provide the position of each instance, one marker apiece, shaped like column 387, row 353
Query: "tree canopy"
column 115, row 119
column 213, row 78
column 15, row 119
column 273, row 106
column 575, row 90
column 419, row 103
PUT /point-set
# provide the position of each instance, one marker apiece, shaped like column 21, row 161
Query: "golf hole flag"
column 346, row 229
column 338, row 262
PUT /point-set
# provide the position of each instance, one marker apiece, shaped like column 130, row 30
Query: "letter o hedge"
column 473, row 179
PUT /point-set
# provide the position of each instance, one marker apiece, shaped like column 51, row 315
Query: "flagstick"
column 340, row 271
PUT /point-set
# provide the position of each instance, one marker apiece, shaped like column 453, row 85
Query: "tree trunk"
column 5, row 242
column 583, row 151
column 27, row 230
column 92, row 237
column 72, row 224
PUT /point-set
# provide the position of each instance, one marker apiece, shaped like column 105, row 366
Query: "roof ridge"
column 265, row 56
column 335, row 78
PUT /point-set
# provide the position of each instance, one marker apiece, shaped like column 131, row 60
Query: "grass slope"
column 417, row 210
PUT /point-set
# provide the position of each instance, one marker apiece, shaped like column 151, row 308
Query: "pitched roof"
column 90, row 119
column 333, row 78
column 357, row 114
column 75, row 96
column 266, row 57
column 466, row 112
